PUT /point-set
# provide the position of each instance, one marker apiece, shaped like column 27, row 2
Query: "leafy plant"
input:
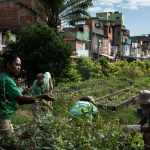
column 59, row 130
column 137, row 142
column 105, row 66
column 73, row 74
column 88, row 68
column 38, row 43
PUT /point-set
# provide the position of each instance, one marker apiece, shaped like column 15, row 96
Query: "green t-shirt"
column 41, row 89
column 8, row 93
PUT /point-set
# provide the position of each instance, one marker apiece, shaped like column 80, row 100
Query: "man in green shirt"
column 10, row 93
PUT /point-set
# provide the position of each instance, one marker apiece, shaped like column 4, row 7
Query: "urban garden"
column 110, row 83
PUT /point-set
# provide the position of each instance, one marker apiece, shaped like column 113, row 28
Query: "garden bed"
column 56, row 132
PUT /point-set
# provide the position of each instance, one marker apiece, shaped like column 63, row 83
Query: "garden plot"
column 54, row 132
column 107, row 93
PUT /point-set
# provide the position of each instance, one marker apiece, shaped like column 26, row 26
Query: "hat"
column 144, row 101
column 144, row 97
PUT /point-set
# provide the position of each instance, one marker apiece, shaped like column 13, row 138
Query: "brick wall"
column 11, row 16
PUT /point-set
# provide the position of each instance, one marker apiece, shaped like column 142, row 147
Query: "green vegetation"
column 57, row 130
column 37, row 43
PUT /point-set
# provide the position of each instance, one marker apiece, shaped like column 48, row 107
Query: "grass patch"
column 22, row 117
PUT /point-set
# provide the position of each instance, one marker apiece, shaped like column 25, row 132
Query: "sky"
column 136, row 13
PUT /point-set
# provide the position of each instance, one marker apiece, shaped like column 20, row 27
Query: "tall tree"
column 42, row 49
column 57, row 12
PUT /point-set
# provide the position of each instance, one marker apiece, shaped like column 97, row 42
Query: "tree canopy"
column 42, row 49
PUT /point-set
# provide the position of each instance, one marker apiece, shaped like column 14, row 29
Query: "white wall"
column 3, row 38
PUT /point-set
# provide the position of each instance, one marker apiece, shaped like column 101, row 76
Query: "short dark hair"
column 40, row 76
column 87, row 99
column 9, row 58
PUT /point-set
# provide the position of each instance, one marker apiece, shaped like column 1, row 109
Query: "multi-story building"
column 144, row 41
column 107, row 35
column 78, row 38
column 136, row 50
column 126, row 42
column 100, row 36
column 111, row 16
column 119, row 33
column 96, row 36
column 127, row 47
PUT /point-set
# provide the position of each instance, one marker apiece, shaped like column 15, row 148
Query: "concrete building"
column 107, row 35
column 78, row 38
column 127, row 47
column 144, row 41
column 96, row 36
column 120, row 36
column 136, row 50
column 110, row 16
column 119, row 33
column 100, row 36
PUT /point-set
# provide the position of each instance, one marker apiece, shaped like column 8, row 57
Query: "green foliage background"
column 42, row 49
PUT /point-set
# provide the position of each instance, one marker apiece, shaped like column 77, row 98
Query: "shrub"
column 42, row 49
column 147, row 64
column 88, row 68
column 51, row 133
column 132, row 70
column 121, row 64
column 114, row 69
column 140, row 64
column 60, row 133
column 104, row 65
column 73, row 74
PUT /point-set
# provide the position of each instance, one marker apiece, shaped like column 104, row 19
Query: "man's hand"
column 48, row 97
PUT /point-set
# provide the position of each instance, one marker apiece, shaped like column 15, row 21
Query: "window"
column 101, row 17
column 118, row 33
column 3, row 39
column 109, row 29
column 117, row 17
